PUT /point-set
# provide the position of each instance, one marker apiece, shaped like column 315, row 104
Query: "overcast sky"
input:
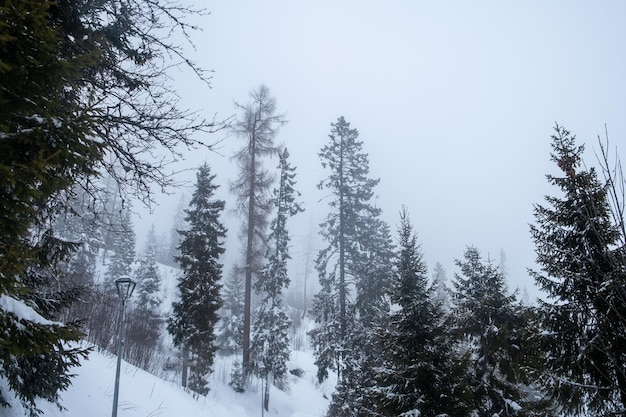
column 455, row 102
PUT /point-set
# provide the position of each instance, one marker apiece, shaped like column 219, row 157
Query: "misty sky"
column 454, row 101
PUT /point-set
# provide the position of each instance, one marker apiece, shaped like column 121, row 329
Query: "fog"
column 454, row 101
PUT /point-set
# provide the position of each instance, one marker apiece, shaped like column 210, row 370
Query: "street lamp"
column 125, row 287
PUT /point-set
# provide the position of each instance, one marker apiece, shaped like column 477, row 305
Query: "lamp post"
column 125, row 287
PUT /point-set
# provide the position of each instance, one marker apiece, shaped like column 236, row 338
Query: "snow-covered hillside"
column 144, row 395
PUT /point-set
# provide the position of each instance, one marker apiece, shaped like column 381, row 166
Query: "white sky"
column 455, row 102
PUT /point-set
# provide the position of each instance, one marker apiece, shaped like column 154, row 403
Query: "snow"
column 23, row 311
column 143, row 394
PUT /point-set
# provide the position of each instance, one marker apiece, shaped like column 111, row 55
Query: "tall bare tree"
column 257, row 125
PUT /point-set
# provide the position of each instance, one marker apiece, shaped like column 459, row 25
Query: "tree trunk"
column 342, row 250
column 185, row 353
column 245, row 362
column 266, row 395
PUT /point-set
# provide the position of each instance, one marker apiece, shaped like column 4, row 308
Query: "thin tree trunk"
column 342, row 250
column 307, row 267
column 185, row 353
column 266, row 395
column 245, row 362
column 342, row 266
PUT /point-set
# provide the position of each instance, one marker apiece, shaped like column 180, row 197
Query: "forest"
column 90, row 124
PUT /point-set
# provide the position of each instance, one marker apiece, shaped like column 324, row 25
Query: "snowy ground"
column 144, row 395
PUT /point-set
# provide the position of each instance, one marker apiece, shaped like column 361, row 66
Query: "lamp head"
column 125, row 287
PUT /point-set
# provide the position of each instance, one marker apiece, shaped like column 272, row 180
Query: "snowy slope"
column 144, row 395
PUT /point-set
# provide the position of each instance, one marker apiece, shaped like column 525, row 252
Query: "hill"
column 145, row 395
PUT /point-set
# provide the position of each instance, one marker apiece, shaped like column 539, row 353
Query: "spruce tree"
column 363, row 351
column 145, row 321
column 439, row 283
column 230, row 326
column 420, row 373
column 257, row 126
column 171, row 251
column 123, row 247
column 44, row 148
column 581, row 260
column 495, row 336
column 82, row 92
column 102, row 330
column 270, row 337
column 353, row 269
column 194, row 316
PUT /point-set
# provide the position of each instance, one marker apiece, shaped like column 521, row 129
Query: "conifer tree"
column 363, row 351
column 194, row 316
column 581, row 258
column 420, row 373
column 178, row 224
column 83, row 91
column 230, row 326
column 257, row 126
column 270, row 338
column 375, row 256
column 353, row 269
column 43, row 149
column 145, row 321
column 79, row 225
column 497, row 342
column 123, row 246
column 439, row 284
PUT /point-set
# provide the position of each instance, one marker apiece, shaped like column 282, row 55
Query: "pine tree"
column 376, row 253
column 44, row 148
column 80, row 225
column 123, row 247
column 32, row 321
column 270, row 337
column 82, row 93
column 258, row 126
column 178, row 224
column 363, row 351
column 230, row 326
column 194, row 316
column 581, row 257
column 496, row 339
column 439, row 283
column 145, row 321
column 420, row 373
column 353, row 269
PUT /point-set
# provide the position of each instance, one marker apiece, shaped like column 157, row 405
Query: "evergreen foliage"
column 440, row 286
column 496, row 340
column 80, row 81
column 270, row 338
column 123, row 247
column 373, row 269
column 581, row 258
column 353, row 270
column 420, row 373
column 353, row 393
column 171, row 251
column 230, row 326
column 237, row 382
column 194, row 316
column 257, row 126
column 145, row 321
column 37, row 113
